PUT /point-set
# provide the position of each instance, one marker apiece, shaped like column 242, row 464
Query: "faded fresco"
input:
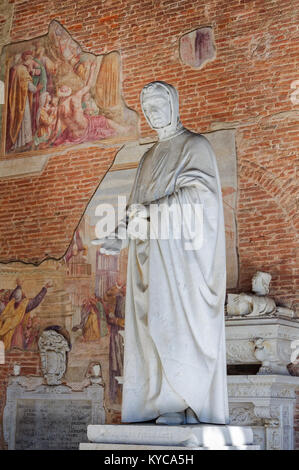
column 83, row 294
column 19, row 326
column 56, row 95
column 198, row 47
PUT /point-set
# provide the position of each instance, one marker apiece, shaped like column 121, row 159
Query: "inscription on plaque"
column 52, row 424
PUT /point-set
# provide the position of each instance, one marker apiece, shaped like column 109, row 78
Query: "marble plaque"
column 51, row 424
column 50, row 417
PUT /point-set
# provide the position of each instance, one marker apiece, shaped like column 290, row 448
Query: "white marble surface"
column 256, row 303
column 92, row 446
column 265, row 340
column 186, row 436
column 267, row 404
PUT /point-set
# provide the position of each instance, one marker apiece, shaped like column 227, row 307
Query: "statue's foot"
column 171, row 418
column 191, row 417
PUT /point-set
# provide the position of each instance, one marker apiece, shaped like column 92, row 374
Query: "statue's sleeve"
column 197, row 178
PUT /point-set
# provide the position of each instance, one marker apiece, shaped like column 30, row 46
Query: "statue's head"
column 261, row 283
column 160, row 105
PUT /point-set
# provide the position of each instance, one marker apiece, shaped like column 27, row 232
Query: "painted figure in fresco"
column 49, row 67
column 47, row 120
column 21, row 91
column 73, row 126
column 4, row 299
column 89, row 105
column 39, row 80
column 67, row 47
column 93, row 320
column 114, row 301
column 77, row 246
column 29, row 337
column 13, row 318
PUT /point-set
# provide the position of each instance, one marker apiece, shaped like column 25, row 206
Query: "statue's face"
column 157, row 108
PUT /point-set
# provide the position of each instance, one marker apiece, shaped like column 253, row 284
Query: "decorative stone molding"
column 261, row 340
column 53, row 348
column 267, row 403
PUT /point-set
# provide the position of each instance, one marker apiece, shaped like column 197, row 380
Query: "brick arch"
column 281, row 193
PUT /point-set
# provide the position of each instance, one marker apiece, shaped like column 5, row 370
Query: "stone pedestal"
column 148, row 436
column 267, row 404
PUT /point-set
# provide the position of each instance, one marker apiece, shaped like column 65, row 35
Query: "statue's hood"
column 175, row 124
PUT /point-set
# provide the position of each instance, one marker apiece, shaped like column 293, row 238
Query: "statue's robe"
column 174, row 328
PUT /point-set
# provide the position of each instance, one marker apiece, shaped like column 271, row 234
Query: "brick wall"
column 247, row 87
column 30, row 365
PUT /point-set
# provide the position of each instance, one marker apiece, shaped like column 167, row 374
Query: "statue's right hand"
column 109, row 246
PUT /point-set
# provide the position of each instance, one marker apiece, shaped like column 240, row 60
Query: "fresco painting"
column 198, row 47
column 96, row 284
column 19, row 326
column 58, row 95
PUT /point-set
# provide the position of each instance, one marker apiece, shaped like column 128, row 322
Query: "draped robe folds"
column 174, row 333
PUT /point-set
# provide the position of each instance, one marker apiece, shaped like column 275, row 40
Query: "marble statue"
column 258, row 303
column 174, row 359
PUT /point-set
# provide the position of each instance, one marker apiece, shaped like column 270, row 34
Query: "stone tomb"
column 50, row 417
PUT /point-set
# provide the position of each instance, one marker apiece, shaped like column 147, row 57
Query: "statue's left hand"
column 138, row 224
column 109, row 246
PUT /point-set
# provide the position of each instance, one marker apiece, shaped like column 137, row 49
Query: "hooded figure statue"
column 174, row 359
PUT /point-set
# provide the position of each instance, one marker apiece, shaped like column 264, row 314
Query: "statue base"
column 149, row 436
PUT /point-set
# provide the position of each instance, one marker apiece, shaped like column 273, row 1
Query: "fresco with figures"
column 56, row 95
